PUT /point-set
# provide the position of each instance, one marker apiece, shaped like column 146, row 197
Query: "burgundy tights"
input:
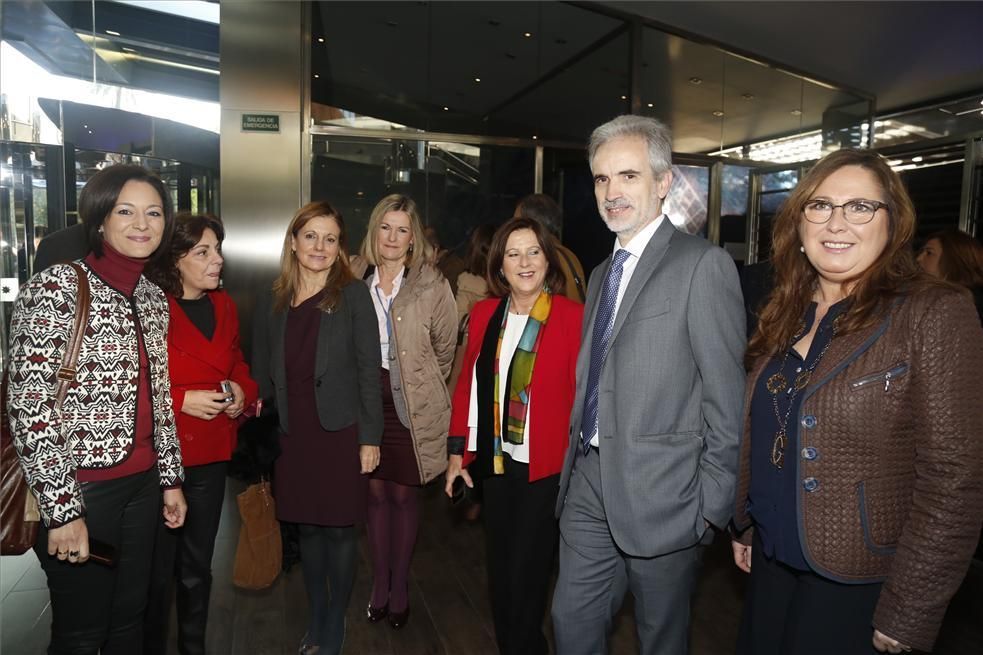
column 394, row 513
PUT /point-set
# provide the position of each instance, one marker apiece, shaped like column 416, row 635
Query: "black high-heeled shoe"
column 376, row 614
column 398, row 619
column 307, row 648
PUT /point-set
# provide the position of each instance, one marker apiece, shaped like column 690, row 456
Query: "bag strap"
column 573, row 272
column 67, row 371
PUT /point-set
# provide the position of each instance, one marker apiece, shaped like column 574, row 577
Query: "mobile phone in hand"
column 458, row 490
column 226, row 387
column 102, row 553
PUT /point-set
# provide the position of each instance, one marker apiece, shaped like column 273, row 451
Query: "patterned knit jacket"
column 95, row 427
column 890, row 460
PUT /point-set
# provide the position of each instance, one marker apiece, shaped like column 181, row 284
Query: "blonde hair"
column 340, row 274
column 420, row 247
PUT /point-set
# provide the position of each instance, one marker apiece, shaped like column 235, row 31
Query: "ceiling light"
column 316, row 76
column 112, row 33
column 916, row 159
column 718, row 113
column 651, row 105
column 447, row 108
column 796, row 112
column 747, row 96
column 527, row 34
column 125, row 49
column 695, row 80
column 477, row 79
column 320, row 39
column 534, row 137
column 85, row 126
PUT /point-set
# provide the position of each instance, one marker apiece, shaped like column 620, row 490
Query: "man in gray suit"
column 654, row 431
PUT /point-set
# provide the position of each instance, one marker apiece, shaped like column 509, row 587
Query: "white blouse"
column 383, row 304
column 514, row 325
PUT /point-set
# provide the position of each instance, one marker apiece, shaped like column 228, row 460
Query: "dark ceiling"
column 904, row 53
column 556, row 69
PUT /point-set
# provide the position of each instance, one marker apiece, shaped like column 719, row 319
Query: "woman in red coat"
column 203, row 353
column 510, row 422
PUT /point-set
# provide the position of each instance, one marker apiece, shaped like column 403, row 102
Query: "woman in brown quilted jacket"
column 861, row 462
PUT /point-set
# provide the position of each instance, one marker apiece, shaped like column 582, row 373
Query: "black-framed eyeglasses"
column 858, row 211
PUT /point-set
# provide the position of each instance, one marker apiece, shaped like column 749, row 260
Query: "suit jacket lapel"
column 647, row 263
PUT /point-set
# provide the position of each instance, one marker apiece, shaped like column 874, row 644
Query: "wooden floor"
column 448, row 599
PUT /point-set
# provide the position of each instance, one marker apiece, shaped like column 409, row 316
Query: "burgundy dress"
column 317, row 478
column 397, row 461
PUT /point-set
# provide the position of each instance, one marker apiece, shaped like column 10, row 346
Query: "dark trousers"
column 184, row 556
column 792, row 612
column 94, row 608
column 521, row 536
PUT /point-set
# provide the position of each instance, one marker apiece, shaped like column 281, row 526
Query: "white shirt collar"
column 397, row 282
column 638, row 242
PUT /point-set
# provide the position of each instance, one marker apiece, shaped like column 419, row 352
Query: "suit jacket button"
column 809, row 421
column 809, row 453
column 810, row 484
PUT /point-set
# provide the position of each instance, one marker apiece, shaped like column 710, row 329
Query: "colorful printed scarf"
column 518, row 377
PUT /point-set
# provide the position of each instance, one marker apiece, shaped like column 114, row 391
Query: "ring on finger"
column 73, row 553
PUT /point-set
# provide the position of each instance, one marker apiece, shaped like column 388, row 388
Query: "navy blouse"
column 771, row 500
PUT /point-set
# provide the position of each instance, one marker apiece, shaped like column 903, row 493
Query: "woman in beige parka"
column 418, row 331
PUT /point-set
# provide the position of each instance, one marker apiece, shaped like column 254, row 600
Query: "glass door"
column 770, row 187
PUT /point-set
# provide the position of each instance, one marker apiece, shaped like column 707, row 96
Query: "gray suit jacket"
column 346, row 370
column 670, row 395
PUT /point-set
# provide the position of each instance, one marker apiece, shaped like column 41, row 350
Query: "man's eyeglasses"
column 857, row 211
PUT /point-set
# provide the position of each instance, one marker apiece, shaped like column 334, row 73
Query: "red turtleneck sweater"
column 122, row 273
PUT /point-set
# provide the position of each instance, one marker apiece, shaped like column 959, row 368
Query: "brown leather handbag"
column 259, row 554
column 19, row 514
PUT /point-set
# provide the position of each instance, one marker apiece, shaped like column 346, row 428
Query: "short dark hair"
column 188, row 230
column 476, row 258
column 497, row 285
column 101, row 192
column 542, row 208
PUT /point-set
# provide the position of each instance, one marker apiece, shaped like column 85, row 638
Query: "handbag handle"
column 67, row 371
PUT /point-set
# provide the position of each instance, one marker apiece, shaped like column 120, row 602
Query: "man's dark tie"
column 603, row 326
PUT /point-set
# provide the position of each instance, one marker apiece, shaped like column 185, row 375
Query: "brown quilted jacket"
column 890, row 456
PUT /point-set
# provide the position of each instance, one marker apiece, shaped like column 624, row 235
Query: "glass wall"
column 456, row 185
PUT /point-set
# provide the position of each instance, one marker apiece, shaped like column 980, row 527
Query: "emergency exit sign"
column 260, row 122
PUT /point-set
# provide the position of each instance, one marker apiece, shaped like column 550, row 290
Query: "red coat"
column 552, row 387
column 199, row 364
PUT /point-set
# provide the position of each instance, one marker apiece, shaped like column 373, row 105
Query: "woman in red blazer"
column 510, row 422
column 203, row 353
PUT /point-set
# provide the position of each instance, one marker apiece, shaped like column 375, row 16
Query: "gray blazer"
column 671, row 393
column 346, row 370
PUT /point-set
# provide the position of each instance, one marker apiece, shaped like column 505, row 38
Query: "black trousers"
column 521, row 535
column 94, row 608
column 791, row 612
column 184, row 555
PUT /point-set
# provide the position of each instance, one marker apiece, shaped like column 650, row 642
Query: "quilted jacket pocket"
column 884, row 503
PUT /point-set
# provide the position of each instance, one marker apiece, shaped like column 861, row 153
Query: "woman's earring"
column 410, row 251
column 100, row 229
column 802, row 248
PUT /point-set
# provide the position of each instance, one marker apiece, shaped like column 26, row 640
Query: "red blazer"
column 196, row 363
column 552, row 387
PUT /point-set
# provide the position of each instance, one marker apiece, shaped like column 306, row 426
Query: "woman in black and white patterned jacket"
column 97, row 467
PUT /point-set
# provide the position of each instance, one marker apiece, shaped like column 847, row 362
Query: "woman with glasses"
column 861, row 460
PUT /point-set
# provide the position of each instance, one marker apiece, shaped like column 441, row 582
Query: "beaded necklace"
column 778, row 384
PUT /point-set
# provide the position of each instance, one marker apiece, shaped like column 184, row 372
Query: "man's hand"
column 742, row 555
column 175, row 508
column 886, row 644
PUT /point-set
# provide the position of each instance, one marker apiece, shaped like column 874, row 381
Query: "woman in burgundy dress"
column 316, row 355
